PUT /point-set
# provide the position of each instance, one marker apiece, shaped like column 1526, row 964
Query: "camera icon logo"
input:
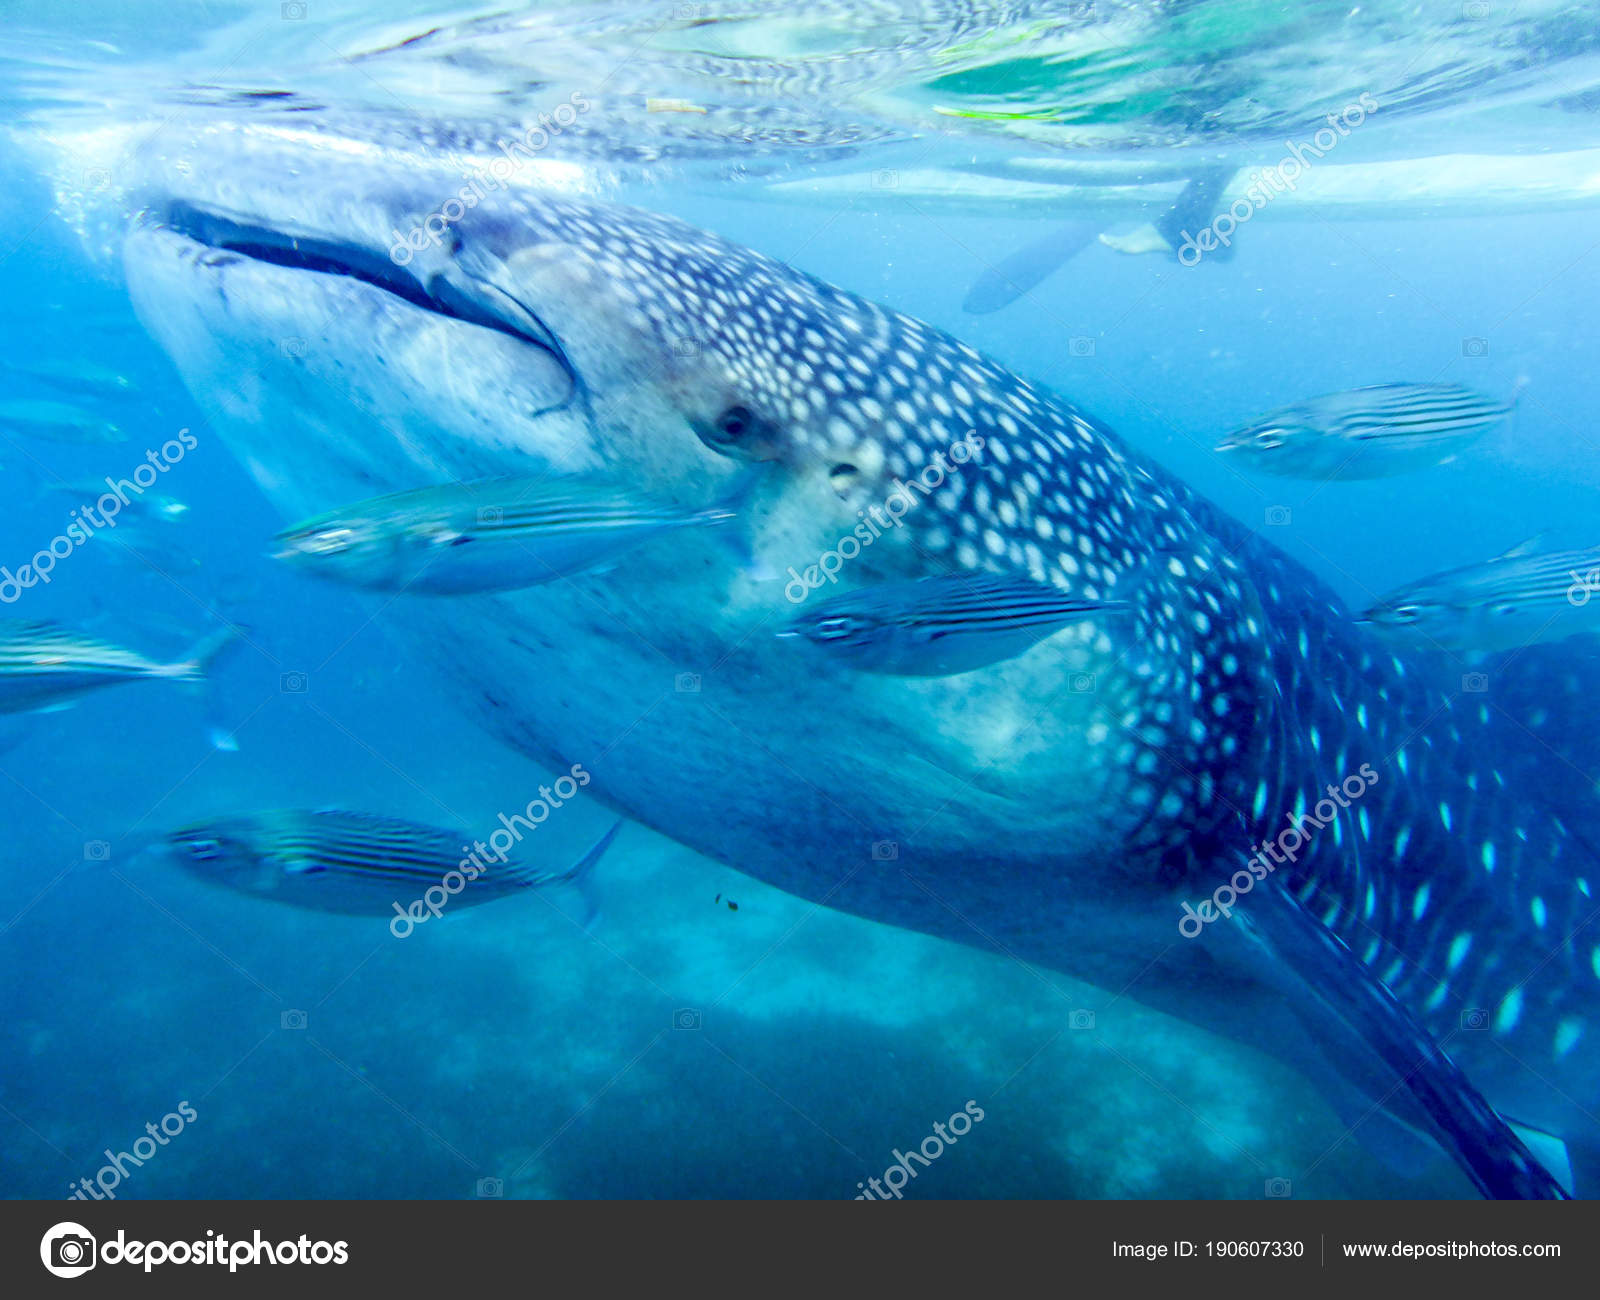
column 1080, row 347
column 491, row 1187
column 686, row 683
column 68, row 1250
column 687, row 347
column 1279, row 516
column 97, row 178
column 293, row 10
column 686, row 1018
column 292, row 1020
column 490, row 514
column 885, row 178
column 1081, row 1019
column 1475, row 10
column 1474, row 347
column 96, row 850
column 1475, row 682
column 293, row 683
column 1279, row 1188
column 1474, row 1018
column 885, row 850
column 293, row 348
column 1081, row 683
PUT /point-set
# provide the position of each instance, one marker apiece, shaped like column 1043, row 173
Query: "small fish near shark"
column 56, row 421
column 358, row 864
column 78, row 377
column 45, row 666
column 933, row 627
column 1063, row 827
column 491, row 535
column 1366, row 433
column 1529, row 595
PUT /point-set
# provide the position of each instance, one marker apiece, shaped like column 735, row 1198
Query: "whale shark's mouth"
column 457, row 296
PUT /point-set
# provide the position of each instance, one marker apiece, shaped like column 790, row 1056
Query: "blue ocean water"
column 678, row 1047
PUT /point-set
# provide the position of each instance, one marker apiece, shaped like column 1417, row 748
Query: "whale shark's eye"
column 204, row 850
column 733, row 425
column 1269, row 439
column 738, row 431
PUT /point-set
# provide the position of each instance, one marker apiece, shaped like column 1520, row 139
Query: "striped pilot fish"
column 491, row 535
column 1525, row 596
column 1367, row 432
column 934, row 627
column 44, row 666
column 356, row 863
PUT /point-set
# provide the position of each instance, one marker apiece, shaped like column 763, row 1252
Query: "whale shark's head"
column 370, row 306
column 536, row 331
column 352, row 334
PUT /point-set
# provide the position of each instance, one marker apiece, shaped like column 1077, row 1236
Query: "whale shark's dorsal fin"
column 1340, row 987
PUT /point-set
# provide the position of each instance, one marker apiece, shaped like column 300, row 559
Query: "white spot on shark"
column 1568, row 1032
column 1510, row 1011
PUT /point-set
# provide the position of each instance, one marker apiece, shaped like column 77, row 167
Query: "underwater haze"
column 267, row 261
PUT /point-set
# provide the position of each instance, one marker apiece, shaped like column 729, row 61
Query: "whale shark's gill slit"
column 327, row 257
column 529, row 326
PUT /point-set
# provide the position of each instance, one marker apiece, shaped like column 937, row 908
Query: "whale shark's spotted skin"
column 1059, row 806
column 833, row 378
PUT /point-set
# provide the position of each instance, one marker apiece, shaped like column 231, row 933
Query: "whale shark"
column 1115, row 802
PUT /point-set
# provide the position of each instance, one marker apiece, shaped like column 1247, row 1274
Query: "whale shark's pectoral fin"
column 1345, row 999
